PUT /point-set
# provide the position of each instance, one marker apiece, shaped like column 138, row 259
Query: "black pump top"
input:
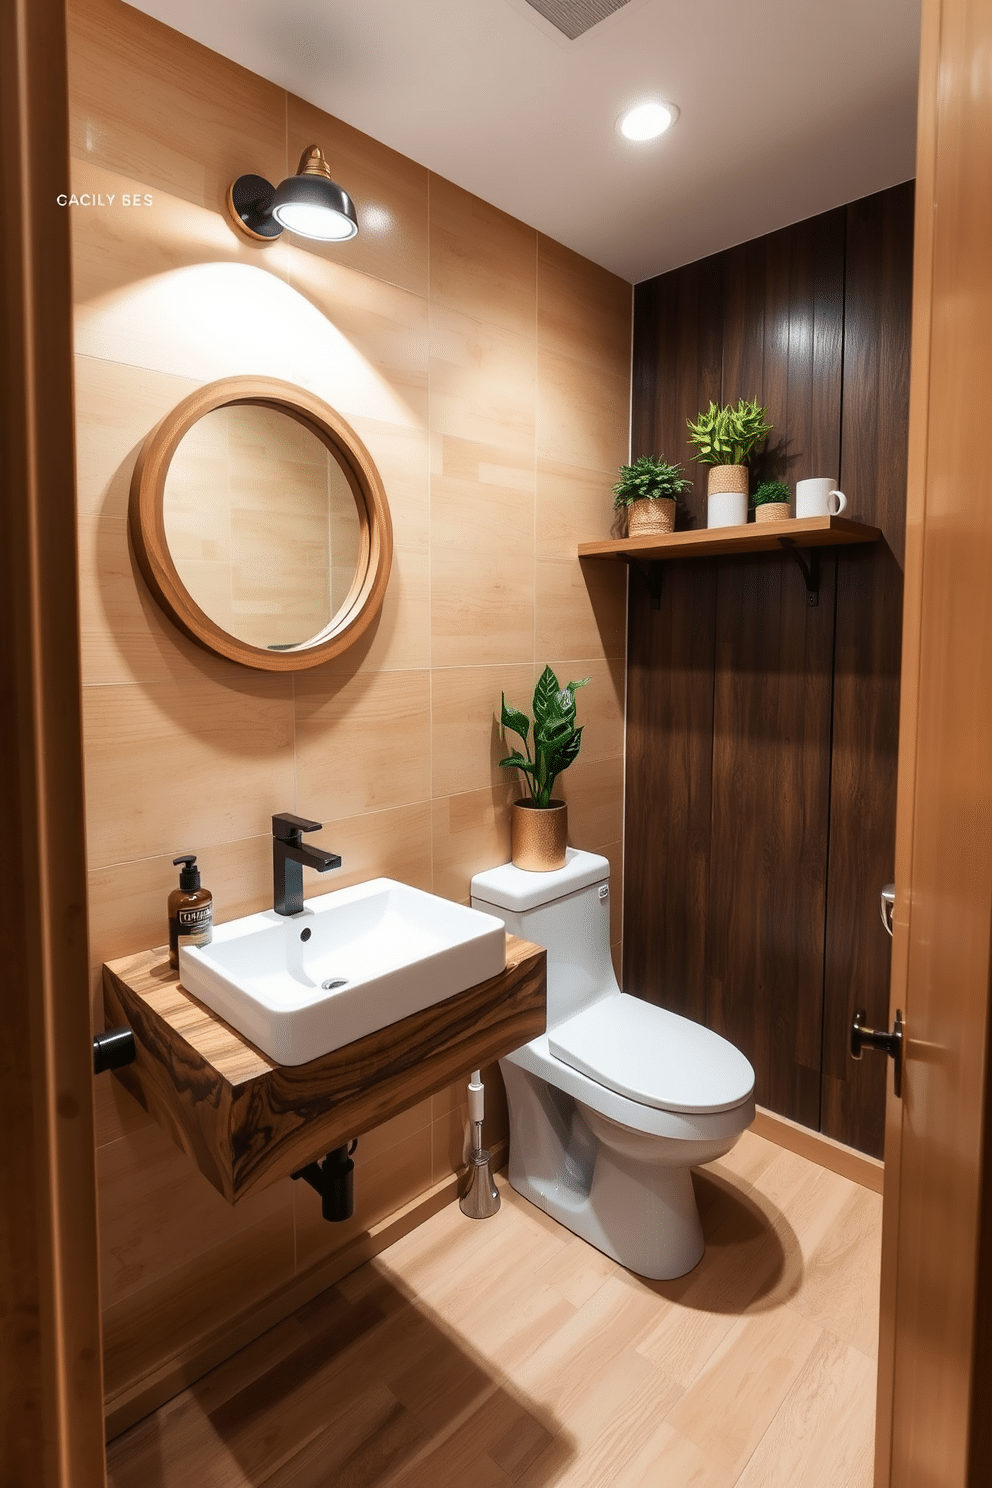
column 189, row 878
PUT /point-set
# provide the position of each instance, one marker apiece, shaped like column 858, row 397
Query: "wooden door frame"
column 51, row 1395
column 934, row 1361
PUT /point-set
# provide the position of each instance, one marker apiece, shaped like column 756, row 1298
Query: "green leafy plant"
column 729, row 436
column 771, row 491
column 649, row 479
column 556, row 738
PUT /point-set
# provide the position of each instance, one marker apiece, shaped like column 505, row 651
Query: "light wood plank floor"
column 479, row 1354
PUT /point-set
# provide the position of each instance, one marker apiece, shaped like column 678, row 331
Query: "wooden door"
column 934, row 1397
column 51, row 1406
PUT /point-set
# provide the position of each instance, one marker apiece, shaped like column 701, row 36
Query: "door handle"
column 876, row 1038
column 887, row 905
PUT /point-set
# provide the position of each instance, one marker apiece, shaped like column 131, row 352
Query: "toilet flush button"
column 604, row 891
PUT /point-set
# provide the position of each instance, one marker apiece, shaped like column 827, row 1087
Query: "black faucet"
column 290, row 855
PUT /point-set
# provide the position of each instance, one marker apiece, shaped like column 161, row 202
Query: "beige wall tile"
column 158, row 1321
column 384, row 323
column 125, row 637
column 470, row 832
column 399, row 638
column 573, row 505
column 594, row 792
column 157, row 1211
column 582, row 413
column 467, row 741
column 390, row 194
column 599, row 705
column 401, row 455
column 482, row 381
column 116, row 408
column 482, row 546
column 580, row 609
column 482, row 262
column 583, row 311
column 169, row 764
column 362, row 742
column 132, row 232
column 381, row 844
column 450, row 1141
column 149, row 102
column 374, row 1143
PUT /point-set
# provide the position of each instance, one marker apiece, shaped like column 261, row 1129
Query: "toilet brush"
column 481, row 1199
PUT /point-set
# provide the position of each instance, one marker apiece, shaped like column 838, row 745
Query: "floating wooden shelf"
column 755, row 537
column 247, row 1122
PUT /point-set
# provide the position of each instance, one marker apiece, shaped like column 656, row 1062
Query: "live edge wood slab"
column 247, row 1122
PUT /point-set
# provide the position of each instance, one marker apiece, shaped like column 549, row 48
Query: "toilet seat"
column 653, row 1057
column 537, row 1059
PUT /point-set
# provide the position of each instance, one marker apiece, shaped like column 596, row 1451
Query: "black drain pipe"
column 334, row 1180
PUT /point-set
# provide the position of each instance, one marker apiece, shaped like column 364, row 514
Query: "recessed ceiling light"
column 647, row 120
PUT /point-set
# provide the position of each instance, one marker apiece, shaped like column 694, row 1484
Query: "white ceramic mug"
column 819, row 497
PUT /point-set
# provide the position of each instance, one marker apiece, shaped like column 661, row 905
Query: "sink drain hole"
column 333, row 982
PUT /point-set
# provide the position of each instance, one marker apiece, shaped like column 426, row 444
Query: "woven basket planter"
column 650, row 516
column 772, row 511
column 726, row 478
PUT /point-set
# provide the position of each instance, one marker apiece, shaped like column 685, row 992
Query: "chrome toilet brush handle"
column 481, row 1198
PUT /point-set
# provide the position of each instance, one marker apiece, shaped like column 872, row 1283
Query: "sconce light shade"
column 309, row 203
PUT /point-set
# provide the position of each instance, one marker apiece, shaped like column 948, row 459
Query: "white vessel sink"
column 354, row 961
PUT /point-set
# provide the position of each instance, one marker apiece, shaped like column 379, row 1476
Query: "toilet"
column 618, row 1099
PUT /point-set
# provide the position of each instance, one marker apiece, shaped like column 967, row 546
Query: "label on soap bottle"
column 196, row 926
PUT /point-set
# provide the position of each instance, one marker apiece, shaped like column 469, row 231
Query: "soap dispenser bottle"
column 191, row 911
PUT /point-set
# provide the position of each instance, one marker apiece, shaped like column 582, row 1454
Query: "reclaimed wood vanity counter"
column 246, row 1121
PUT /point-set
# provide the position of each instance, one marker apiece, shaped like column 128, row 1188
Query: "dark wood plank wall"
column 761, row 731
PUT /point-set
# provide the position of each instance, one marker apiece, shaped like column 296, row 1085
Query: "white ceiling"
column 788, row 107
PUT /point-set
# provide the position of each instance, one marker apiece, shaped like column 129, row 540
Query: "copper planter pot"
column 537, row 835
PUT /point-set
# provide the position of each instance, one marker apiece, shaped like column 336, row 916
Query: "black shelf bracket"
column 810, row 569
column 651, row 573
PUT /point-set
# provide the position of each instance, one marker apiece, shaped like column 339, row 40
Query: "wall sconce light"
column 309, row 203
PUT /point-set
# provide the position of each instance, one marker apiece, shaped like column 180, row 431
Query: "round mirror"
column 260, row 522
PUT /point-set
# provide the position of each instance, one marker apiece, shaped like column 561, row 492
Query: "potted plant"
column 725, row 438
column 647, row 491
column 539, row 824
column 771, row 502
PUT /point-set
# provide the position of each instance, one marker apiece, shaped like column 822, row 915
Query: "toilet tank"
column 566, row 911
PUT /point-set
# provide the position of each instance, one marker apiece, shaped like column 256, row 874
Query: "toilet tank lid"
column 514, row 888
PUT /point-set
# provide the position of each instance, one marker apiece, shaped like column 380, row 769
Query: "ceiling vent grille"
column 573, row 18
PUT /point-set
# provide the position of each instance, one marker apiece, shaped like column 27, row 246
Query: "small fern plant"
column 649, row 479
column 556, row 737
column 771, row 491
column 729, row 435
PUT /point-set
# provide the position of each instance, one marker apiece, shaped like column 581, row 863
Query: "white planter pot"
column 726, row 509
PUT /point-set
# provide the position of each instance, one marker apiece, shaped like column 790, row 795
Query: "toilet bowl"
column 613, row 1105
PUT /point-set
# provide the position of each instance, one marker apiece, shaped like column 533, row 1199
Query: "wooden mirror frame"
column 146, row 519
